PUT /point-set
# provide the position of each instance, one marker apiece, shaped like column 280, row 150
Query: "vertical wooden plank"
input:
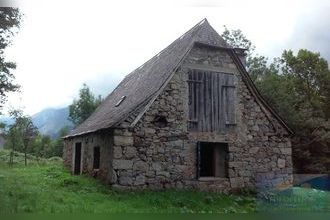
column 189, row 99
column 193, row 105
column 208, row 102
column 216, row 104
column 231, row 100
column 221, row 101
column 203, row 103
column 196, row 99
column 231, row 105
column 200, row 101
column 212, row 100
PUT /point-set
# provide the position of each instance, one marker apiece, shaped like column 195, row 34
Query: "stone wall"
column 104, row 140
column 159, row 152
column 163, row 154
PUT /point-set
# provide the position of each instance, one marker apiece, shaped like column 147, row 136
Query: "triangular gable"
column 141, row 87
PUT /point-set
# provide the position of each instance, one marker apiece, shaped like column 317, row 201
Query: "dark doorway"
column 212, row 159
column 77, row 159
column 96, row 161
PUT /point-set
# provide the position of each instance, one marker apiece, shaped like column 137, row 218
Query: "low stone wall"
column 104, row 140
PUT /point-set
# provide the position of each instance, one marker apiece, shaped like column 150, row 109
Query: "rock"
column 280, row 163
column 113, row 176
column 149, row 131
column 140, row 180
column 140, row 166
column 236, row 182
column 163, row 173
column 156, row 166
column 117, row 152
column 125, row 181
column 123, row 140
column 253, row 150
column 130, row 152
column 122, row 164
column 287, row 151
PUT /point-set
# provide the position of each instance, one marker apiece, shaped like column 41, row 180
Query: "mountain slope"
column 49, row 121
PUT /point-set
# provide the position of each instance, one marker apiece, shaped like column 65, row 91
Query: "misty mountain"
column 48, row 121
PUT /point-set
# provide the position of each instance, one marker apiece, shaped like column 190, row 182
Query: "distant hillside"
column 50, row 121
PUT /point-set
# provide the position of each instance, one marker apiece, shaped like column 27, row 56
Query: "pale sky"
column 63, row 44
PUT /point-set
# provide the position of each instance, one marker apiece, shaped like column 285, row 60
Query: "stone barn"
column 190, row 117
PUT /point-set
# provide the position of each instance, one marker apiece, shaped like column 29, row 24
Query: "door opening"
column 77, row 159
column 212, row 159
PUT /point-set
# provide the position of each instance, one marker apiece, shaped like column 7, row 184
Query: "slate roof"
column 142, row 85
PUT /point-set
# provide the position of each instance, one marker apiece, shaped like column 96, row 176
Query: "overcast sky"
column 63, row 44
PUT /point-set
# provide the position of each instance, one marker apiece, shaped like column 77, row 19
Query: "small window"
column 120, row 101
column 96, row 162
column 160, row 121
column 212, row 159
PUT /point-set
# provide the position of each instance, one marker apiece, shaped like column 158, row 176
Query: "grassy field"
column 45, row 186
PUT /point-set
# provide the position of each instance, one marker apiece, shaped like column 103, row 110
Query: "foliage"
column 310, row 78
column 21, row 132
column 83, row 107
column 47, row 187
column 10, row 19
column 23, row 136
column 236, row 39
column 298, row 87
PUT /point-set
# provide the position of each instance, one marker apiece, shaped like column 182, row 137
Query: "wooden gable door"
column 212, row 97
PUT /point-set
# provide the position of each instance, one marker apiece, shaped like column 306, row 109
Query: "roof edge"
column 256, row 92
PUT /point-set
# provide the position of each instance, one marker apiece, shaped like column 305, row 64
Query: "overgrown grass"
column 47, row 187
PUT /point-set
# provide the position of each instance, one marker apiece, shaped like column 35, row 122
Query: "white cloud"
column 64, row 43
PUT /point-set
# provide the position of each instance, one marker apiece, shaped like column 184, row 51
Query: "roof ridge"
column 145, row 81
column 173, row 42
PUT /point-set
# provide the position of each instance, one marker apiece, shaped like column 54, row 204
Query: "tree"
column 310, row 77
column 237, row 39
column 255, row 64
column 21, row 133
column 82, row 108
column 10, row 19
column 298, row 87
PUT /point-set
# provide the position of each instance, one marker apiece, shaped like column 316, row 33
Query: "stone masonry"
column 159, row 151
column 165, row 156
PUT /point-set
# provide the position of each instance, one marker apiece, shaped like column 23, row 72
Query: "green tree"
column 10, row 19
column 310, row 77
column 298, row 87
column 83, row 107
column 21, row 133
column 237, row 39
column 255, row 64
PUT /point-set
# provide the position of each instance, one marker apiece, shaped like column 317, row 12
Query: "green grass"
column 47, row 187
